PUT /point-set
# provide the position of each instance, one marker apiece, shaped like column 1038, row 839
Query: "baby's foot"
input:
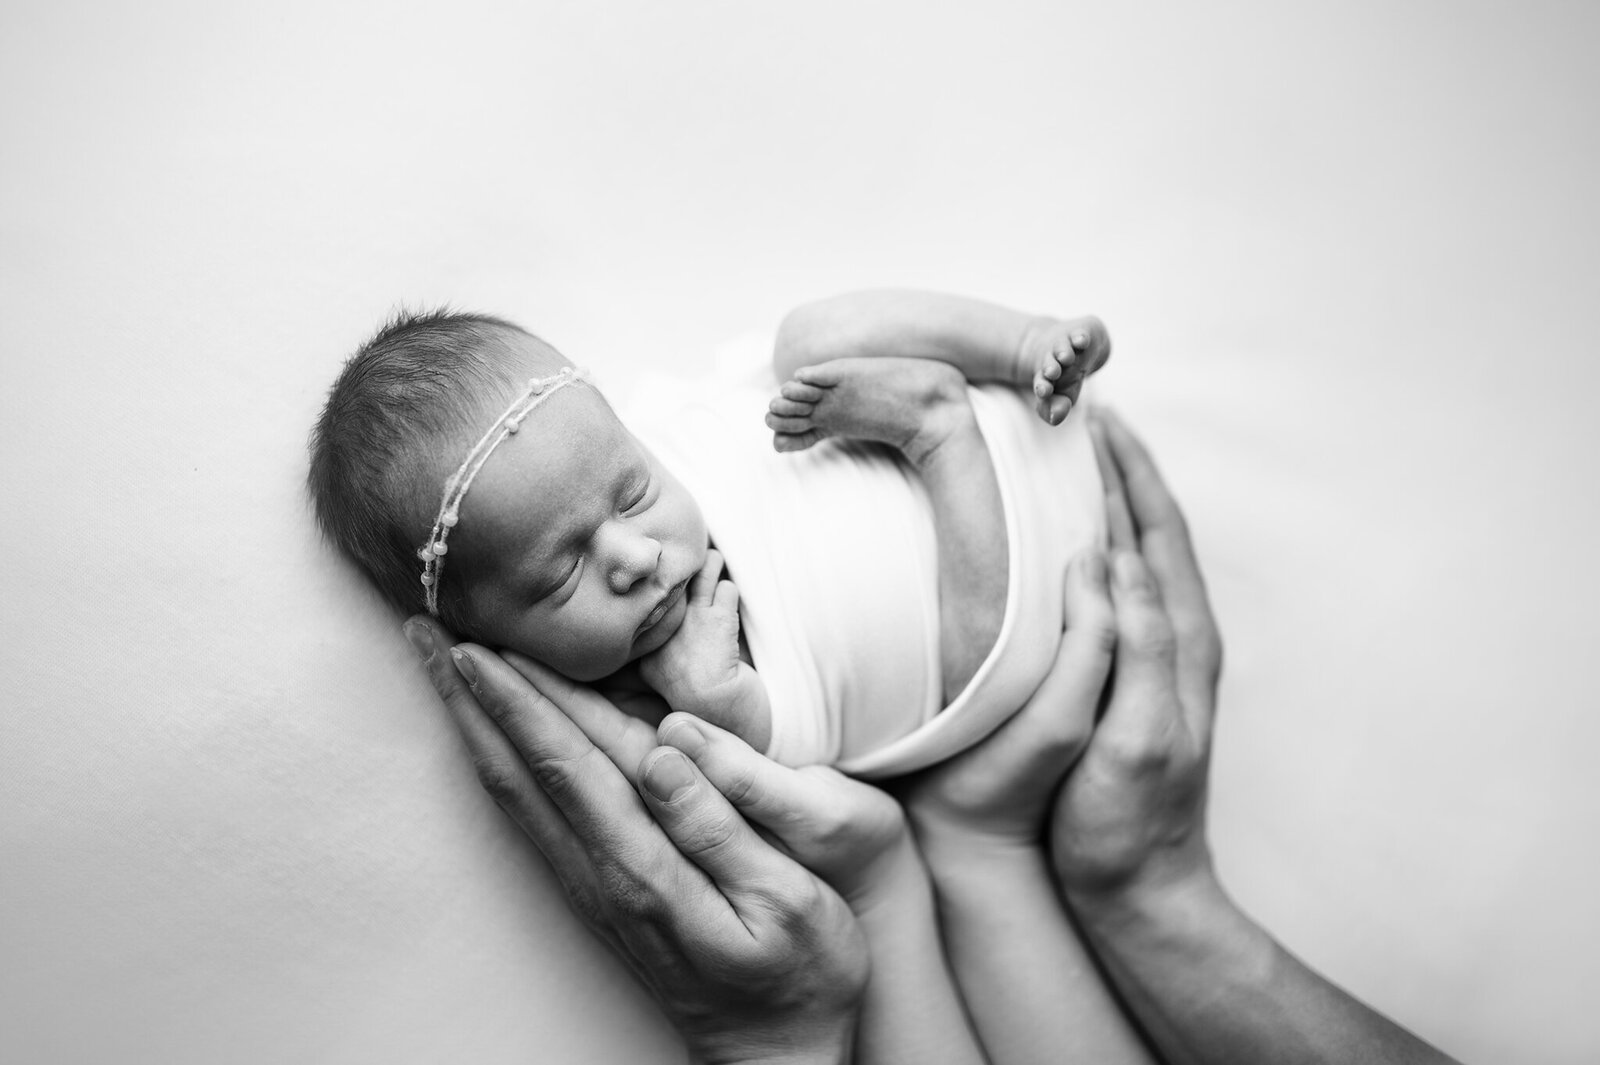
column 1058, row 355
column 910, row 404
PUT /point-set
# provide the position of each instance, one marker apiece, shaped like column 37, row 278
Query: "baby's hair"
column 419, row 379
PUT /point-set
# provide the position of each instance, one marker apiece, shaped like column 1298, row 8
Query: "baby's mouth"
column 662, row 608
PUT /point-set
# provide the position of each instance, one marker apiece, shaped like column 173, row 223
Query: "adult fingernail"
column 686, row 735
column 669, row 776
column 465, row 666
column 1094, row 570
column 421, row 638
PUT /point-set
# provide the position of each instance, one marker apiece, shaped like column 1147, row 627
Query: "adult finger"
column 1122, row 532
column 1052, row 726
column 1144, row 698
column 624, row 739
column 1165, row 543
column 580, row 779
column 763, row 790
column 705, row 828
column 501, row 770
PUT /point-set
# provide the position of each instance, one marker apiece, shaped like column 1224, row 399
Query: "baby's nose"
column 635, row 558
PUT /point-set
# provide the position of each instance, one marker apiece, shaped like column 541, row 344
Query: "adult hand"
column 750, row 955
column 998, row 793
column 1132, row 813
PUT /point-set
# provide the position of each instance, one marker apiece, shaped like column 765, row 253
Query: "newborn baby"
column 471, row 471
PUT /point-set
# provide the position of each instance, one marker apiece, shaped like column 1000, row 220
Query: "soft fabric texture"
column 836, row 559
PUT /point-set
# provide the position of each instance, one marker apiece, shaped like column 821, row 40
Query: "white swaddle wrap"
column 834, row 553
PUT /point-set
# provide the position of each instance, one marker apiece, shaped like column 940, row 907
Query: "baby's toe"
column 780, row 424
column 784, row 407
column 820, row 377
column 800, row 392
column 794, row 441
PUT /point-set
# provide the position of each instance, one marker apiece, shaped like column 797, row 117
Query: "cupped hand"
column 839, row 828
column 1131, row 815
column 998, row 793
column 750, row 955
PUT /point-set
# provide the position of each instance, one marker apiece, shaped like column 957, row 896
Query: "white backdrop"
column 1349, row 259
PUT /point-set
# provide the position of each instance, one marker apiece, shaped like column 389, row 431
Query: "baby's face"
column 575, row 544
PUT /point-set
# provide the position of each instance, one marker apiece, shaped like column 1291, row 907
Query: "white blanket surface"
column 835, row 556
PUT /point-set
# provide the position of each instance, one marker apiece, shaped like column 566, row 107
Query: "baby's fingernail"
column 421, row 638
column 1080, row 341
column 669, row 776
column 1094, row 570
column 465, row 666
column 687, row 737
column 1041, row 388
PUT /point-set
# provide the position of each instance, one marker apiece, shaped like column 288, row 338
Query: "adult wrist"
column 1153, row 917
column 957, row 856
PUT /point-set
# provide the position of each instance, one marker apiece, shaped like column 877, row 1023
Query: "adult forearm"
column 1031, row 986
column 911, row 1011
column 984, row 340
column 1209, row 985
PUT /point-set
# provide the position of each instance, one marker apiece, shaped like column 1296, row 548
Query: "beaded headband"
column 455, row 489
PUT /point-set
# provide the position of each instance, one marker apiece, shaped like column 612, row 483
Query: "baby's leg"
column 920, row 407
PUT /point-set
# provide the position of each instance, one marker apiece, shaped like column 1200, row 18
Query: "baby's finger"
column 726, row 597
column 703, row 585
column 800, row 391
column 790, row 408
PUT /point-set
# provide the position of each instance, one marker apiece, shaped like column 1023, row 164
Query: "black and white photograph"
column 769, row 533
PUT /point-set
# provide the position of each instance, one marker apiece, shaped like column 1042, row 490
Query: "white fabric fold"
column 835, row 556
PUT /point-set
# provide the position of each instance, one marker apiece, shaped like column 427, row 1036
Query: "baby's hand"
column 1058, row 355
column 841, row 829
column 698, row 668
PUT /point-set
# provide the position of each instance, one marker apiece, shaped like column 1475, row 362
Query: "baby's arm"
column 986, row 342
column 700, row 669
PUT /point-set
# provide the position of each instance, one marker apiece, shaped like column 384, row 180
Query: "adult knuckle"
column 560, row 776
column 1150, row 634
column 499, row 778
column 708, row 835
column 1100, row 634
column 1138, row 755
column 739, row 786
column 634, row 898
